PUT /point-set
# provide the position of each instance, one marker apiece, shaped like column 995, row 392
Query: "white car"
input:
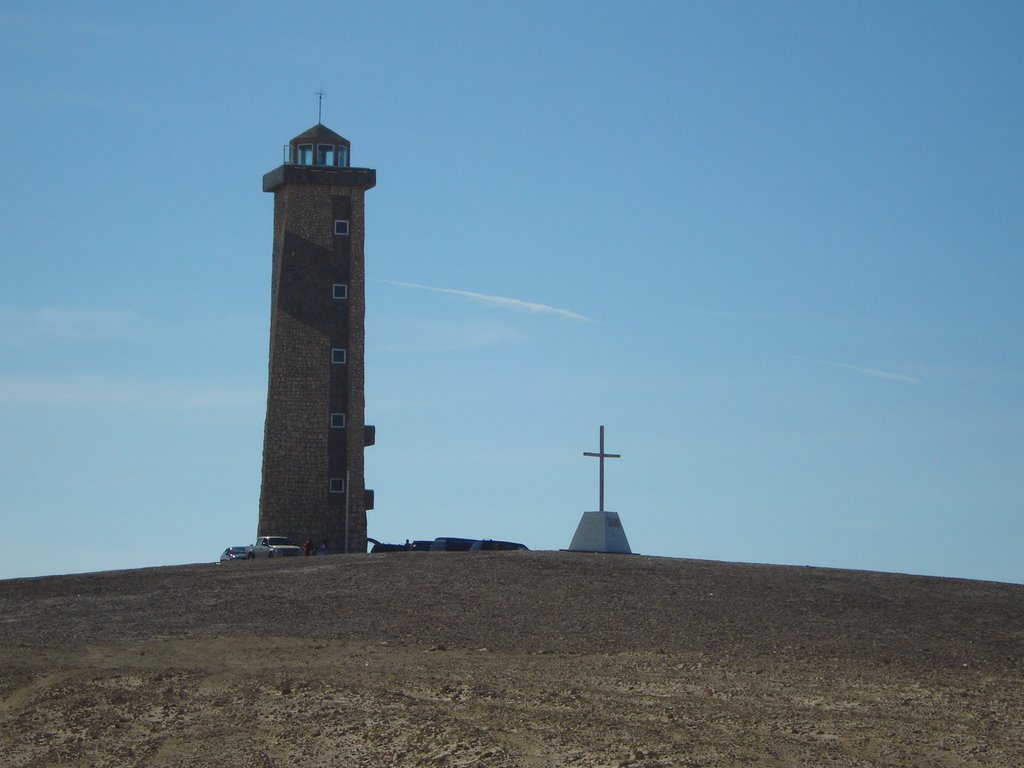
column 234, row 553
column 274, row 546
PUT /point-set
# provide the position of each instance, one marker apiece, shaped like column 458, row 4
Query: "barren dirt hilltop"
column 509, row 659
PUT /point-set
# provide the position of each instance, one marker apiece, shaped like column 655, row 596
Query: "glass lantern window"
column 325, row 154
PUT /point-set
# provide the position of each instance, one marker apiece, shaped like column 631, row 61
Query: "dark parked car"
column 489, row 544
column 451, row 544
column 409, row 546
column 445, row 544
column 380, row 546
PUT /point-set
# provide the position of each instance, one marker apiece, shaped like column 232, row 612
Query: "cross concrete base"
column 600, row 532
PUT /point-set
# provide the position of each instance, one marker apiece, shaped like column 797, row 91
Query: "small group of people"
column 309, row 549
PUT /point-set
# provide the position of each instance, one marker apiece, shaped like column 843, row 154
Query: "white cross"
column 601, row 456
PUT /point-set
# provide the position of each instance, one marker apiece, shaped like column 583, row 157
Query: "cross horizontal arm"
column 603, row 455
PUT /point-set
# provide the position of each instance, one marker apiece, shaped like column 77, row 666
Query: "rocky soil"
column 509, row 659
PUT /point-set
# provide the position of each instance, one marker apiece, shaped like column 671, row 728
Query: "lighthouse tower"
column 313, row 486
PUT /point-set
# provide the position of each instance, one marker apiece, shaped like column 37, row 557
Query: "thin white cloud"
column 874, row 372
column 106, row 391
column 500, row 301
column 20, row 326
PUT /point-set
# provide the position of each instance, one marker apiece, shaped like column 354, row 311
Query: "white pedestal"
column 600, row 532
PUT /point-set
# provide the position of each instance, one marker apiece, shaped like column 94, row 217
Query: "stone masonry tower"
column 313, row 486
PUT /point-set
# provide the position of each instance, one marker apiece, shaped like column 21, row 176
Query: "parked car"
column 409, row 546
column 380, row 546
column 445, row 544
column 451, row 544
column 273, row 546
column 234, row 553
column 489, row 544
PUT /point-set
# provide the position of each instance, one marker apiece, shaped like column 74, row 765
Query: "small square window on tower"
column 338, row 356
column 341, row 290
column 337, row 485
column 341, row 226
column 337, row 421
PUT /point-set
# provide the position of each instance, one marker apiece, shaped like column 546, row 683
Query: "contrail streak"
column 501, row 301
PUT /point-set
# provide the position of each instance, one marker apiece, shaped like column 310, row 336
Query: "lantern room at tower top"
column 318, row 156
column 318, row 146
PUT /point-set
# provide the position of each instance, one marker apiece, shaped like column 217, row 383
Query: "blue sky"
column 776, row 248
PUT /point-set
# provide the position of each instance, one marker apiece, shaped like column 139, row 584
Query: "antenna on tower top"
column 319, row 93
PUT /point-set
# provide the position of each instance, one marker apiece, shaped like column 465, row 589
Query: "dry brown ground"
column 509, row 659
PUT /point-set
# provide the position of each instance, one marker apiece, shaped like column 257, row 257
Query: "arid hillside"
column 509, row 659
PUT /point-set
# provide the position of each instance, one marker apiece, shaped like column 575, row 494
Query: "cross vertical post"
column 601, row 456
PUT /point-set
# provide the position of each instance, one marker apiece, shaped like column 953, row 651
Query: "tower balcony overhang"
column 364, row 178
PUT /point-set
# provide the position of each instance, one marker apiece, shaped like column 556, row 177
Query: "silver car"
column 234, row 553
